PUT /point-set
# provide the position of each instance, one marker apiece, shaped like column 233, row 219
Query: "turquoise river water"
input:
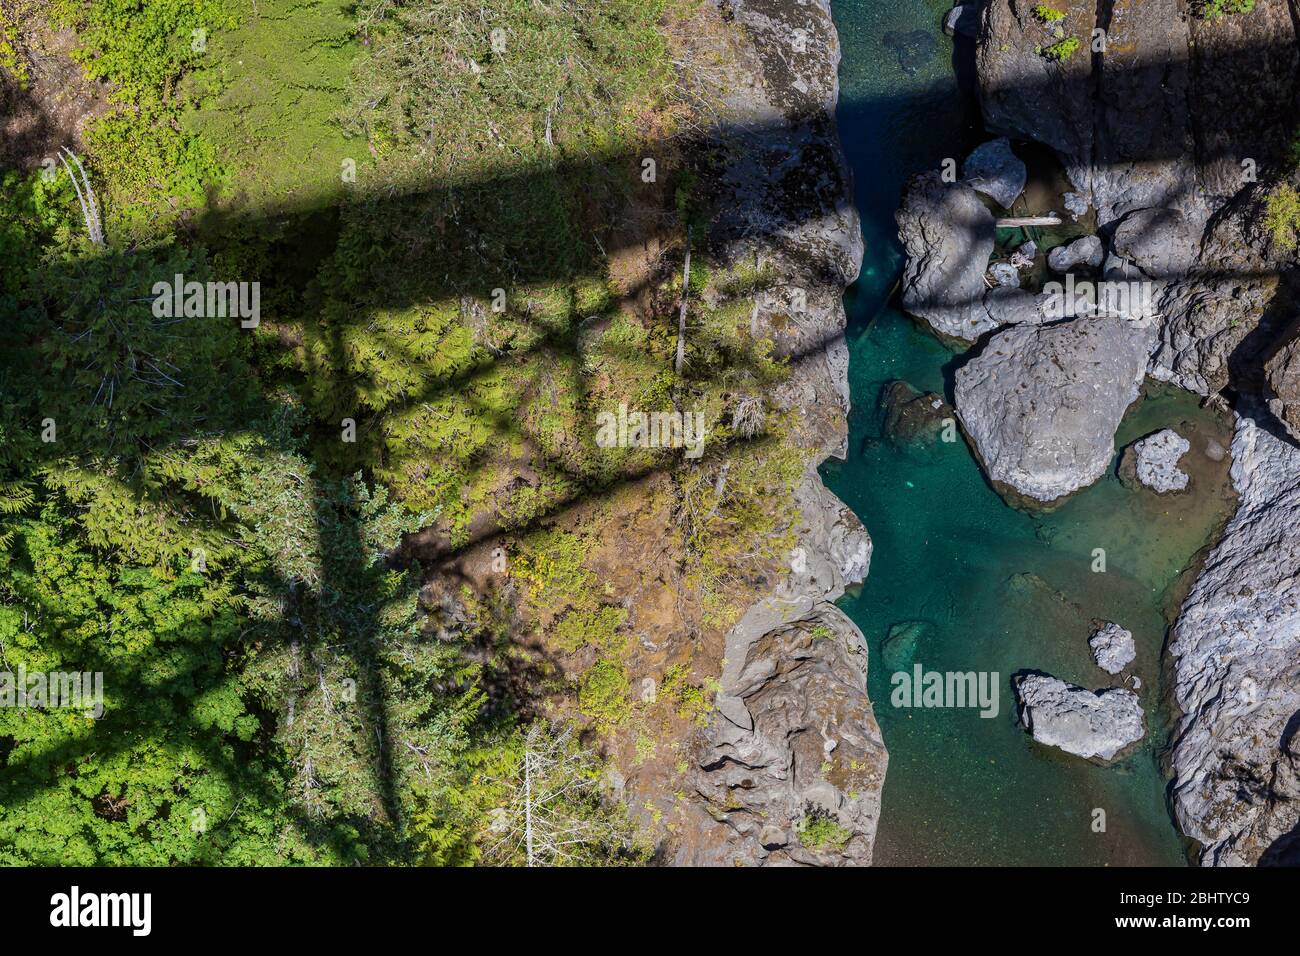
column 986, row 587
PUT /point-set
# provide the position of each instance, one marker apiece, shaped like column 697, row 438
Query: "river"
column 985, row 587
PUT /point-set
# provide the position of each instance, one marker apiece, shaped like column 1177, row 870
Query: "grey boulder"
column 1112, row 647
column 1005, row 274
column 1076, row 205
column 1041, row 403
column 1161, row 242
column 1085, row 251
column 994, row 170
column 1098, row 726
column 947, row 235
column 1155, row 461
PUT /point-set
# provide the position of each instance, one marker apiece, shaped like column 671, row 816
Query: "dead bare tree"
column 681, row 319
column 555, row 812
column 85, row 196
column 748, row 417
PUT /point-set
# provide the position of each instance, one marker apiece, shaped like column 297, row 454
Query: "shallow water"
column 995, row 589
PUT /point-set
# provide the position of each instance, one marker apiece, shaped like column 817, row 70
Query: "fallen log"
column 1017, row 222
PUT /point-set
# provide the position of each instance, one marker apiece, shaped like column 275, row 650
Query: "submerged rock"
column 899, row 647
column 911, row 418
column 913, row 49
column 1153, row 462
column 1041, row 403
column 1112, row 647
column 1236, row 653
column 1085, row 251
column 994, row 170
column 1098, row 725
column 947, row 235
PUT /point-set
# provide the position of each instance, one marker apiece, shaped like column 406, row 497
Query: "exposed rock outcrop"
column 1283, row 372
column 947, row 234
column 810, row 746
column 1153, row 462
column 1206, row 323
column 1100, row 725
column 1154, row 130
column 793, row 736
column 1158, row 119
column 994, row 170
column 1112, row 647
column 1236, row 652
column 1041, row 404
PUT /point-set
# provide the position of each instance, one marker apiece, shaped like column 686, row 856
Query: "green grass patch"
column 1282, row 216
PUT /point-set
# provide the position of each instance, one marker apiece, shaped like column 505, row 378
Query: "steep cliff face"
column 1155, row 107
column 1236, row 652
column 791, row 768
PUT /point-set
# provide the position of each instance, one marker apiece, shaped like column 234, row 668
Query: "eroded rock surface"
column 947, row 234
column 1112, row 647
column 810, row 747
column 1100, row 725
column 1236, row 652
column 1041, row 403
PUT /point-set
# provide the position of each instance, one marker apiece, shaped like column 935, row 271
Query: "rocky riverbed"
column 1173, row 132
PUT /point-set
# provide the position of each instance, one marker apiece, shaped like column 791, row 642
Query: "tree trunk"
column 681, row 319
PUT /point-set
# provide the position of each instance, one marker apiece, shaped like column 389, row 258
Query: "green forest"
column 237, row 519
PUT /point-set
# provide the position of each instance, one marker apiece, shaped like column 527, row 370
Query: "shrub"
column 579, row 629
column 818, row 830
column 1061, row 50
column 603, row 694
column 1282, row 216
column 692, row 700
column 1214, row 9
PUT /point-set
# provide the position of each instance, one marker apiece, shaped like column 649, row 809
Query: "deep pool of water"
column 988, row 588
